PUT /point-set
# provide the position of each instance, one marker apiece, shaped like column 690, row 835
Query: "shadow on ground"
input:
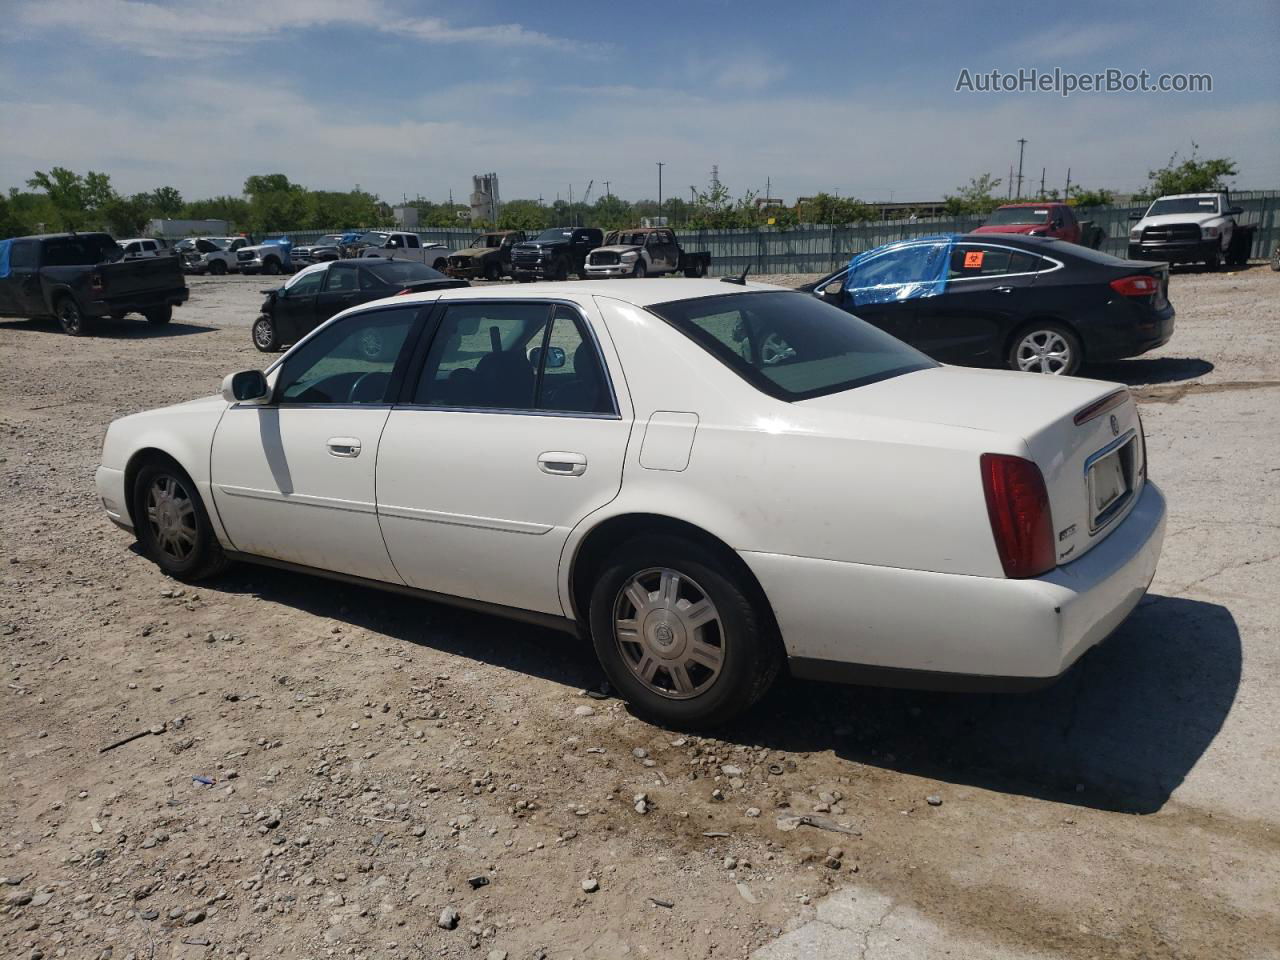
column 1140, row 372
column 1120, row 732
column 126, row 329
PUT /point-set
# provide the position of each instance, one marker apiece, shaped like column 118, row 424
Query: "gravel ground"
column 323, row 769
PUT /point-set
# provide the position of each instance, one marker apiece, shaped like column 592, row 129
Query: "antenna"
column 740, row 280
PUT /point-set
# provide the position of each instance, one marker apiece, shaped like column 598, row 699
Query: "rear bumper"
column 138, row 302
column 910, row 628
column 1128, row 328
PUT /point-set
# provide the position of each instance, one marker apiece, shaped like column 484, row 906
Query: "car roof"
column 640, row 293
column 1033, row 203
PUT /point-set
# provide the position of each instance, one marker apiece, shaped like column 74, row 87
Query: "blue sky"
column 412, row 97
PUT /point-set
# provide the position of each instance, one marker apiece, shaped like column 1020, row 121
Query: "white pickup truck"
column 404, row 246
column 214, row 255
column 1191, row 228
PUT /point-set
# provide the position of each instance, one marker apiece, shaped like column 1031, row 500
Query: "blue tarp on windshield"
column 286, row 248
column 905, row 270
column 4, row 257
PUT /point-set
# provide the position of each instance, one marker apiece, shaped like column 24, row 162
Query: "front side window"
column 790, row 345
column 306, row 285
column 347, row 362
column 899, row 272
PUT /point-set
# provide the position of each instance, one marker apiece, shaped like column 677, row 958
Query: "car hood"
column 617, row 248
column 543, row 245
column 1166, row 218
column 1022, row 228
column 472, row 252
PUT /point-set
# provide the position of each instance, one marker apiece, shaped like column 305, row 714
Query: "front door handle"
column 560, row 464
column 343, row 447
column 1005, row 289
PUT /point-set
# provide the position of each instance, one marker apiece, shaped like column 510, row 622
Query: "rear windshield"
column 791, row 345
column 1017, row 215
column 85, row 249
column 397, row 273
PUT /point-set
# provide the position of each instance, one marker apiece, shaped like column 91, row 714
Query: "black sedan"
column 320, row 291
column 1034, row 304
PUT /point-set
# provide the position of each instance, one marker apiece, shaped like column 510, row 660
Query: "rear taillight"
column 1021, row 522
column 95, row 282
column 1135, row 286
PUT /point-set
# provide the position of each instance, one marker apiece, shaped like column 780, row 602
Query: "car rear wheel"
column 561, row 270
column 217, row 268
column 70, row 317
column 172, row 525
column 159, row 315
column 265, row 336
column 679, row 634
column 440, row 264
column 1046, row 348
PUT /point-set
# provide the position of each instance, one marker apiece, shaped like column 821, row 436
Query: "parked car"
column 404, row 246
column 79, row 277
column 213, row 255
column 271, row 257
column 1028, row 303
column 314, row 294
column 1191, row 228
column 848, row 506
column 1051, row 219
column 144, row 247
column 326, row 248
column 555, row 253
column 644, row 252
column 488, row 257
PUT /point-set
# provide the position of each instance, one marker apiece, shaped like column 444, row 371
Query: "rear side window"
column 22, row 254
column 791, row 345
column 969, row 261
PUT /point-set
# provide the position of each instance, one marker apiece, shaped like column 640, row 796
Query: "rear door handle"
column 560, row 464
column 343, row 447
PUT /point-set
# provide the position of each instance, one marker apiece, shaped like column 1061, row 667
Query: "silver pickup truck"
column 404, row 246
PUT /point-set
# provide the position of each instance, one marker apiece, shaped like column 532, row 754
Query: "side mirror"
column 555, row 357
column 1236, row 211
column 247, row 386
column 1135, row 216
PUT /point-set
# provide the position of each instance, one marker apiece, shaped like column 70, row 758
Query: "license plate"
column 1108, row 483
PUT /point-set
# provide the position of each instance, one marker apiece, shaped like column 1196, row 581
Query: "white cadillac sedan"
column 710, row 479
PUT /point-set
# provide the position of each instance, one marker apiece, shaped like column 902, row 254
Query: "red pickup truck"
column 1043, row 220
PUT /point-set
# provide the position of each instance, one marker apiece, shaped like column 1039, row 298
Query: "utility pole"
column 1008, row 190
column 1022, row 145
column 660, row 166
column 572, row 223
column 606, row 190
column 1066, row 194
column 768, row 187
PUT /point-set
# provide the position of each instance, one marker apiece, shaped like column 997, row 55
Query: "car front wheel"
column 1046, row 348
column 679, row 634
column 265, row 336
column 172, row 525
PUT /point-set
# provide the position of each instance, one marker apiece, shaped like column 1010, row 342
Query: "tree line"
column 60, row 199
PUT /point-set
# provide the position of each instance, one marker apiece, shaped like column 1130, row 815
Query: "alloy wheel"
column 171, row 515
column 669, row 633
column 1044, row 351
column 263, row 334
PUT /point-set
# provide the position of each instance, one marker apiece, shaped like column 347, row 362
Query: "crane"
column 586, row 196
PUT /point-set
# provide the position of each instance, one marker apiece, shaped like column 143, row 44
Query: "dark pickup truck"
column 77, row 277
column 554, row 254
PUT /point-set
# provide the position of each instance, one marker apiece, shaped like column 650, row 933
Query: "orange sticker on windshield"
column 973, row 259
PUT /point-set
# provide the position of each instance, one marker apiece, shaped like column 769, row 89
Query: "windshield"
column 374, row 239
column 555, row 233
column 1012, row 215
column 1184, row 205
column 86, row 248
column 791, row 345
column 397, row 273
column 487, row 241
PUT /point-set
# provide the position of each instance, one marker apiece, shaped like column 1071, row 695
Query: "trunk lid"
column 1093, row 470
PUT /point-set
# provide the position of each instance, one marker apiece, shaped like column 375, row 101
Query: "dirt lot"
column 327, row 767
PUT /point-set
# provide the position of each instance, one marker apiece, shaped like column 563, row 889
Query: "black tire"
column 159, row 316
column 271, row 266
column 264, row 334
column 493, row 270
column 697, row 270
column 203, row 556
column 751, row 650
column 441, row 264
column 561, row 271
column 639, row 271
column 217, row 268
column 1214, row 260
column 70, row 317
column 1075, row 348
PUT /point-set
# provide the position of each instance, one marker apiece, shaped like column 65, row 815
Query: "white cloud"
column 210, row 27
